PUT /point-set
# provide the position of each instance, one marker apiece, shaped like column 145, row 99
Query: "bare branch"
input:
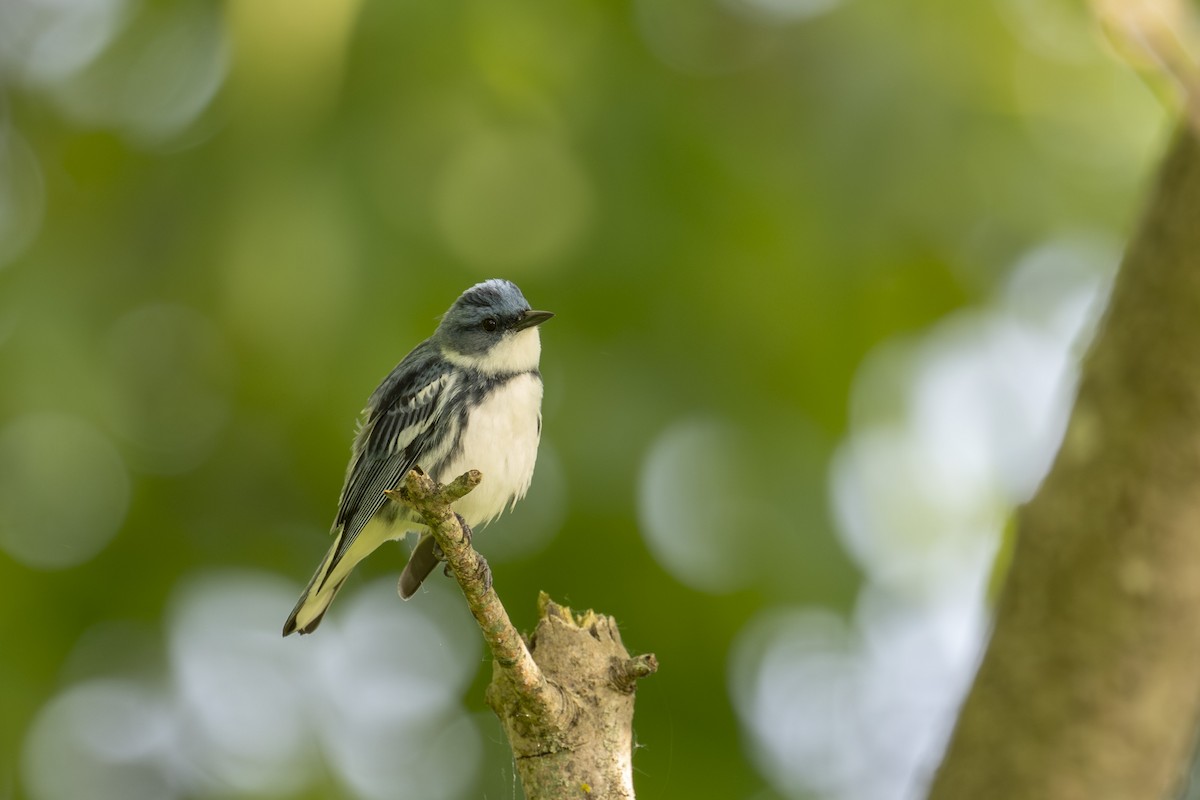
column 566, row 699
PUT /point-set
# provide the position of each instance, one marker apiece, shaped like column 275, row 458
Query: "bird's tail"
column 315, row 599
column 334, row 570
column 420, row 564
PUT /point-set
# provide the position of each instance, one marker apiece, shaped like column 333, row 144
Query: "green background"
column 222, row 223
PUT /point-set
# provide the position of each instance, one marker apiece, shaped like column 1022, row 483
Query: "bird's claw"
column 484, row 573
column 466, row 529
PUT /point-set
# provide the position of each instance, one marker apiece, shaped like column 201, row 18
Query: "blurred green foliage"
column 238, row 216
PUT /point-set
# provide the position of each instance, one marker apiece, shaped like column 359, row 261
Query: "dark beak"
column 532, row 318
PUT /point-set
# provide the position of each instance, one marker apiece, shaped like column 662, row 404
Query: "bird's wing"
column 393, row 435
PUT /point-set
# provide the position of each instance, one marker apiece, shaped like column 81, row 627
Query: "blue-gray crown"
column 483, row 314
column 496, row 296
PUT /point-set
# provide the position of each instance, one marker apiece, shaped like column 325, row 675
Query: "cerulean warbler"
column 468, row 397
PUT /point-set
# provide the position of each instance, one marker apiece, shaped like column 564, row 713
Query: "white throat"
column 515, row 352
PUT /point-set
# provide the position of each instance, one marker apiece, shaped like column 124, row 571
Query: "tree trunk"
column 1090, row 687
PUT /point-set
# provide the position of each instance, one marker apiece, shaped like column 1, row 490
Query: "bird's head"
column 491, row 328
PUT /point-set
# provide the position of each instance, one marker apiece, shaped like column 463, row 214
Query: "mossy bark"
column 587, row 750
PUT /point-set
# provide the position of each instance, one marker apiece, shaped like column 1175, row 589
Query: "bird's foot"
column 440, row 554
column 484, row 573
column 466, row 529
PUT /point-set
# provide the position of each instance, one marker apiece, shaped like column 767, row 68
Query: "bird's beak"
column 532, row 318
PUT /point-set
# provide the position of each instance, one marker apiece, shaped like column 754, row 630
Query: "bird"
column 468, row 397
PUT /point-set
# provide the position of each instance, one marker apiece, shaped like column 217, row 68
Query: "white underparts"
column 501, row 441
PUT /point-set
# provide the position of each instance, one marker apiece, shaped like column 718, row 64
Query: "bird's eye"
column 490, row 325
